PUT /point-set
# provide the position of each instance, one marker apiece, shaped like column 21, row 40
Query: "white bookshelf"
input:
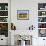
column 4, row 18
column 41, row 18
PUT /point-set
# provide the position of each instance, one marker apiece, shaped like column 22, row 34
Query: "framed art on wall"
column 23, row 14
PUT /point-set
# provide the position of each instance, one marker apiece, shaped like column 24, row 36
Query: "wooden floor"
column 3, row 45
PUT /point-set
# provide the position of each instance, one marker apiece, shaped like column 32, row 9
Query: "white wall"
column 32, row 6
column 20, row 5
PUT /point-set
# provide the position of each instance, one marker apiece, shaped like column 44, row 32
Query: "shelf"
column 41, row 10
column 3, row 22
column 42, row 19
column 41, row 28
column 4, row 19
column 42, row 16
column 3, row 10
column 41, row 22
column 3, row 16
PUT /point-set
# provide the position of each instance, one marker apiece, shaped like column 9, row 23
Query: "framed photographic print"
column 23, row 14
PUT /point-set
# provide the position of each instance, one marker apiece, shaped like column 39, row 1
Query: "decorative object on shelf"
column 45, row 7
column 13, row 27
column 4, row 29
column 4, row 26
column 31, row 27
column 3, row 13
column 43, row 13
column 41, row 6
column 3, row 19
column 6, row 7
column 41, row 19
column 23, row 14
column 42, row 32
column 40, row 25
column 0, row 7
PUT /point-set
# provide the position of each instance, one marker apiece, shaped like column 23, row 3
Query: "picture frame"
column 22, row 14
